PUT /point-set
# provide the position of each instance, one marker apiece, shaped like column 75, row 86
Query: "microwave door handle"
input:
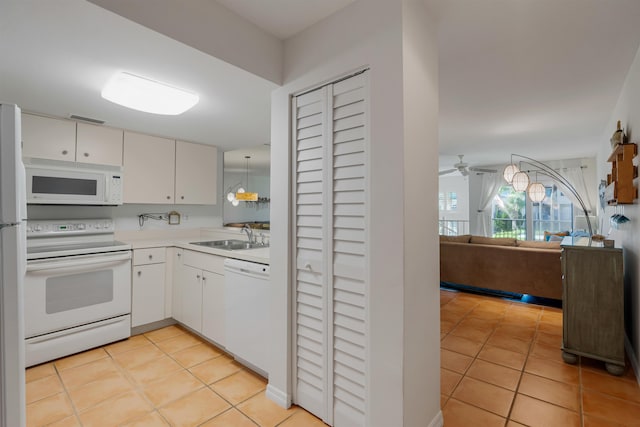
column 70, row 262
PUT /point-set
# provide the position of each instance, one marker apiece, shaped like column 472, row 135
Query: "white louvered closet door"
column 330, row 193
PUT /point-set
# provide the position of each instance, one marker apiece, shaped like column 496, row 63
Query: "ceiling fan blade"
column 464, row 171
column 448, row 171
column 483, row 170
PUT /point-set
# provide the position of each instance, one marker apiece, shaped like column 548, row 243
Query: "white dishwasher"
column 247, row 325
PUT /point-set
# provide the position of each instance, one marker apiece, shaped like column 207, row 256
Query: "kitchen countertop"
column 259, row 255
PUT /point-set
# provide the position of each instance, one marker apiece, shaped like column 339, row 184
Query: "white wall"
column 393, row 39
column 628, row 111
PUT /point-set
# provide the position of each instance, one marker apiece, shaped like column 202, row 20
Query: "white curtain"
column 491, row 183
column 575, row 177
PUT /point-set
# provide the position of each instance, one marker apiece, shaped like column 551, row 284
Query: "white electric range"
column 77, row 289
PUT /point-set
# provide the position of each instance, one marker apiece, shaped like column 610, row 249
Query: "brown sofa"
column 509, row 265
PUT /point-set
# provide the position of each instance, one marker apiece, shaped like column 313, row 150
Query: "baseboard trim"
column 142, row 329
column 278, row 396
column 437, row 421
column 632, row 357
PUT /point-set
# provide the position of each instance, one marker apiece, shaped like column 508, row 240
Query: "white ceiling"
column 535, row 77
column 57, row 55
column 284, row 18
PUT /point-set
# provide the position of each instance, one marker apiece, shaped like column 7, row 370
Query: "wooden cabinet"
column 58, row 139
column 593, row 305
column 149, row 169
column 148, row 286
column 196, row 173
column 99, row 144
column 200, row 284
column 620, row 188
column 163, row 171
column 47, row 138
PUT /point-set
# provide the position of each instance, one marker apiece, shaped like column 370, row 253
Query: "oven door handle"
column 98, row 259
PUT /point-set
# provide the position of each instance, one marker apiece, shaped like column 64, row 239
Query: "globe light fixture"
column 509, row 172
column 536, row 192
column 520, row 181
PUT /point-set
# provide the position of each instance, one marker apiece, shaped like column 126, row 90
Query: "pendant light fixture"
column 536, row 191
column 241, row 195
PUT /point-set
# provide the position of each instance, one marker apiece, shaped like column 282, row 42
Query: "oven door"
column 61, row 293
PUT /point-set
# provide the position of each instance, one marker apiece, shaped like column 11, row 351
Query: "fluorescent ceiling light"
column 150, row 96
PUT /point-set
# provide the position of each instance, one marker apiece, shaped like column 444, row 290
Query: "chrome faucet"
column 247, row 229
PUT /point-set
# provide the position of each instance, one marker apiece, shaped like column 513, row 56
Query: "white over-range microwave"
column 70, row 183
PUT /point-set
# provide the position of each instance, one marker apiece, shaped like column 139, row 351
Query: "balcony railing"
column 513, row 228
column 453, row 227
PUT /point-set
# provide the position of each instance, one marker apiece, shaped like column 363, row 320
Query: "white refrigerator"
column 13, row 210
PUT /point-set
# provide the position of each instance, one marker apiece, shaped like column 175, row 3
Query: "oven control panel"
column 37, row 228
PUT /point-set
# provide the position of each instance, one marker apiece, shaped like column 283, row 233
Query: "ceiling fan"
column 464, row 169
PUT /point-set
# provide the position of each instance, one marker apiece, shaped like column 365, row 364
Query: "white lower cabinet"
column 199, row 292
column 148, row 286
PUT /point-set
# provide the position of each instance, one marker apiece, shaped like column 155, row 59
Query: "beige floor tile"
column 484, row 395
column 461, row 345
column 448, row 381
column 71, row 421
column 460, row 414
column 97, row 391
column 126, row 345
column 561, row 394
column 302, row 419
column 39, row 371
column 455, row 361
column 172, row 387
column 265, row 412
column 115, row 411
column 536, row 413
column 197, row 354
column 178, row 343
column 138, row 356
column 239, row 386
column 165, row 333
column 194, row 409
column 494, row 374
column 152, row 419
column 610, row 408
column 231, row 418
column 80, row 359
column 215, row 369
column 49, row 410
column 83, row 374
column 153, row 370
column 501, row 356
column 43, row 387
column 558, row 371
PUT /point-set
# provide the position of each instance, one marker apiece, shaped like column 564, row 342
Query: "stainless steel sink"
column 230, row 245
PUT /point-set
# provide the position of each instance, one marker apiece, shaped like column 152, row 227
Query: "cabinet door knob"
column 64, row 152
column 168, row 197
column 139, row 273
column 197, row 276
column 182, row 197
column 179, row 255
column 150, row 256
column 86, row 154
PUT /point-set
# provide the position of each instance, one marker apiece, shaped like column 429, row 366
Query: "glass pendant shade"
column 240, row 190
column 536, row 192
column 235, row 202
column 509, row 172
column 231, row 196
column 520, row 181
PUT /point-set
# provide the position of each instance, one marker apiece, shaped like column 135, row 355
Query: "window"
column 448, row 201
column 554, row 213
column 509, row 214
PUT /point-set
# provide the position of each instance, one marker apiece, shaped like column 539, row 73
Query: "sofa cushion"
column 498, row 241
column 463, row 238
column 538, row 244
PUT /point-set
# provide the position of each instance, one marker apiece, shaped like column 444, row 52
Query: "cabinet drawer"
column 213, row 263
column 149, row 256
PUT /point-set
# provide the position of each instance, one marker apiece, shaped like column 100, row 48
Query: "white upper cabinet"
column 99, row 144
column 58, row 139
column 149, row 169
column 48, row 138
column 196, row 173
